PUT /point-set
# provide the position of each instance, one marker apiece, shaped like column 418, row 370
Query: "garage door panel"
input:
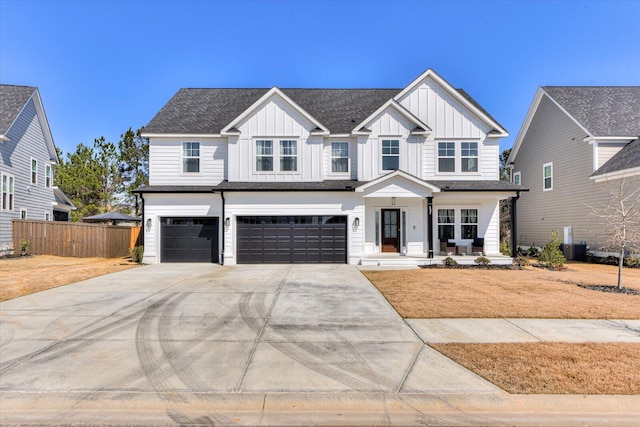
column 292, row 239
column 189, row 239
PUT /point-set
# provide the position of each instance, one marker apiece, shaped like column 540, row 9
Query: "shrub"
column 24, row 246
column 519, row 251
column 632, row 262
column 551, row 256
column 504, row 248
column 482, row 260
column 521, row 261
column 136, row 254
column 449, row 262
column 533, row 250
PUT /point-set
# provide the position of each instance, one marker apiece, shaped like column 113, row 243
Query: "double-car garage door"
column 259, row 239
column 291, row 239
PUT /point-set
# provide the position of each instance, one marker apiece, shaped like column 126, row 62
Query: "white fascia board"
column 392, row 175
column 392, row 103
column 625, row 173
column 180, row 135
column 604, row 139
column 44, row 124
column 457, row 95
column 4, row 138
column 256, row 105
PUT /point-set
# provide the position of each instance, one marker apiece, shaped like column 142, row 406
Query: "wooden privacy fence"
column 74, row 239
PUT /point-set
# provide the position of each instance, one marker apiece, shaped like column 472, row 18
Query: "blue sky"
column 105, row 66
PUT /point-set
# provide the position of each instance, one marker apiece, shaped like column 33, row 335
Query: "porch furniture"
column 461, row 249
column 477, row 247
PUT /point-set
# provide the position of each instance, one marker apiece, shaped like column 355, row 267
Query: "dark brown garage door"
column 189, row 240
column 291, row 239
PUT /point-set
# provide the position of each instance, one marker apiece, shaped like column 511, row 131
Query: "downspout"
column 224, row 229
column 514, row 225
column 143, row 220
column 430, row 225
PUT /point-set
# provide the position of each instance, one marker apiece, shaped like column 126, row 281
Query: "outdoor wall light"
column 227, row 222
column 393, row 201
column 356, row 222
column 149, row 223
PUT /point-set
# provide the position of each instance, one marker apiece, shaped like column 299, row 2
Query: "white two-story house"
column 323, row 175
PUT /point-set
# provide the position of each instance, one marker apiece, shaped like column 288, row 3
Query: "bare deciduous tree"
column 620, row 217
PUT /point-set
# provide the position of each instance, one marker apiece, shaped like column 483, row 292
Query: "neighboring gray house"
column 27, row 160
column 574, row 142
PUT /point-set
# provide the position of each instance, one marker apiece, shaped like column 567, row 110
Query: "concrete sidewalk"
column 525, row 330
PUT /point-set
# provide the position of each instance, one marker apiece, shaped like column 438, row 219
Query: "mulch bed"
column 611, row 289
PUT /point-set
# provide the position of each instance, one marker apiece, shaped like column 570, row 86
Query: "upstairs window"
column 47, row 176
column 390, row 154
column 34, row 172
column 469, row 156
column 547, row 176
column 446, row 224
column 469, row 223
column 23, row 213
column 47, row 216
column 516, row 178
column 288, row 156
column 339, row 157
column 264, row 155
column 7, row 192
column 190, row 157
column 446, row 156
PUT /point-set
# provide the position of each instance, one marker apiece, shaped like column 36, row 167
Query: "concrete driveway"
column 167, row 333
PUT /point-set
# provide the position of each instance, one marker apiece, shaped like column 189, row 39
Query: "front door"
column 390, row 230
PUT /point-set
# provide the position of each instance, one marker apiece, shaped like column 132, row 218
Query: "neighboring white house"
column 574, row 143
column 27, row 161
column 323, row 175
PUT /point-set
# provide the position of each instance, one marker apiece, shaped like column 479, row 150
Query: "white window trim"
column 48, row 180
column 11, row 201
column 331, row 157
column 457, row 162
column 457, row 222
column 550, row 164
column 47, row 216
column 183, row 157
column 477, row 224
column 438, row 223
column 281, row 156
column 25, row 216
column 31, row 179
column 380, row 156
column 275, row 153
column 513, row 178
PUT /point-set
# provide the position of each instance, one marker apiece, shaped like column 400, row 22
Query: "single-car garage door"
column 291, row 239
column 189, row 239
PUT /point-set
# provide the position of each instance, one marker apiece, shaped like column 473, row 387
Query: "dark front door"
column 390, row 230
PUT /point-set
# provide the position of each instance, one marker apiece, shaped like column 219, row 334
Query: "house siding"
column 165, row 162
column 26, row 141
column 606, row 151
column 552, row 136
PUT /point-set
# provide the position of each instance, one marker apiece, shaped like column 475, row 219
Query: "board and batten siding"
column 165, row 162
column 553, row 137
column 353, row 159
column 296, row 203
column 276, row 120
column 26, row 141
column 157, row 206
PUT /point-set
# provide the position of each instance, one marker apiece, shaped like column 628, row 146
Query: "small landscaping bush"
column 632, row 262
column 482, row 261
column 533, row 250
column 24, row 246
column 450, row 262
column 504, row 248
column 551, row 256
column 136, row 254
column 521, row 261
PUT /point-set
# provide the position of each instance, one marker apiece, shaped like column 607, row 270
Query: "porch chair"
column 477, row 247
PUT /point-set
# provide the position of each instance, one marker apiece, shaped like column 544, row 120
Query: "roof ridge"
column 10, row 85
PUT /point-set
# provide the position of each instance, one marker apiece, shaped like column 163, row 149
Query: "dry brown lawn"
column 22, row 276
column 559, row 368
column 530, row 293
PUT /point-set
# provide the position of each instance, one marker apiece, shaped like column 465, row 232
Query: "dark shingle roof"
column 627, row 158
column 480, row 185
column 12, row 100
column 208, row 111
column 602, row 110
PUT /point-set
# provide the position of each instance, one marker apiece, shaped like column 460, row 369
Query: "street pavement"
column 201, row 344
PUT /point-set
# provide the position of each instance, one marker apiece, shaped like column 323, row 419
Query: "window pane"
column 340, row 165
column 339, row 149
column 191, row 165
column 264, row 148
column 264, row 163
column 469, row 231
column 445, row 232
column 446, row 165
column 288, row 148
column 289, row 164
column 390, row 163
column 469, row 164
